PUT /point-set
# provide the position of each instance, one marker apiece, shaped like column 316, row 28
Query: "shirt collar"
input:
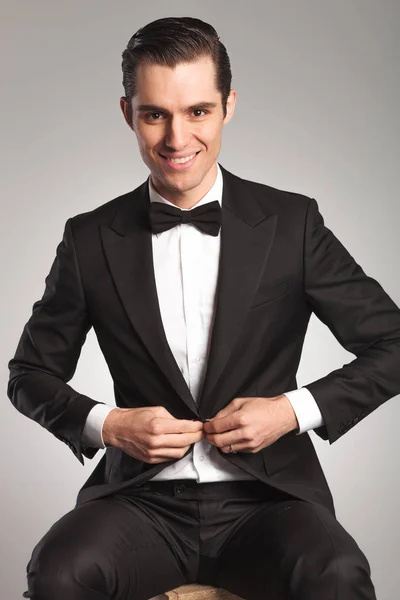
column 214, row 193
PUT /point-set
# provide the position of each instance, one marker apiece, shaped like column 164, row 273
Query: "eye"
column 149, row 115
column 199, row 110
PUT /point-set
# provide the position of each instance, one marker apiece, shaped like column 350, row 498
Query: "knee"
column 46, row 584
column 346, row 572
column 61, row 577
column 353, row 571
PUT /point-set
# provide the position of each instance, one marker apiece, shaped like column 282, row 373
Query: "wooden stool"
column 195, row 591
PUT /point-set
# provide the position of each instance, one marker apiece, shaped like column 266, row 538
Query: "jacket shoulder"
column 104, row 214
column 277, row 199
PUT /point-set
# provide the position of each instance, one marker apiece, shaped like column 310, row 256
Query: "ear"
column 126, row 110
column 230, row 106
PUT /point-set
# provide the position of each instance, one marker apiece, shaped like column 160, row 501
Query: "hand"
column 150, row 434
column 250, row 424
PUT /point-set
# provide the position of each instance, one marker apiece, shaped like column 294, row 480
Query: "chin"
column 182, row 181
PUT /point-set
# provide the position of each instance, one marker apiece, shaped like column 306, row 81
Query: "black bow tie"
column 206, row 218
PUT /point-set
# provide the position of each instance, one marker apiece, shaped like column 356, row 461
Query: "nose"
column 177, row 135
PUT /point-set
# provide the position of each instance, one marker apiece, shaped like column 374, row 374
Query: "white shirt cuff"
column 307, row 411
column 92, row 432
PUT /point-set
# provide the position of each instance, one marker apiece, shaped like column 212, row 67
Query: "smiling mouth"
column 179, row 161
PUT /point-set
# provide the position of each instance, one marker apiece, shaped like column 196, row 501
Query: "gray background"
column 317, row 113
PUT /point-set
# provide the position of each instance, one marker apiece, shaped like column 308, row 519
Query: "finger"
column 224, row 412
column 177, row 440
column 181, row 425
column 237, row 448
column 220, row 424
column 164, row 455
column 230, row 408
column 230, row 437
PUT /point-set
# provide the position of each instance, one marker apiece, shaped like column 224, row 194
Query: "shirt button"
column 201, row 457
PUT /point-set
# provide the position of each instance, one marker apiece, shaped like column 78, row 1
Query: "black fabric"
column 244, row 537
column 206, row 218
column 278, row 265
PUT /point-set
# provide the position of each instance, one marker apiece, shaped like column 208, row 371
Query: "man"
column 200, row 286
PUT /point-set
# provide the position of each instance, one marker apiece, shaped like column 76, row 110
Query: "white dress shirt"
column 186, row 271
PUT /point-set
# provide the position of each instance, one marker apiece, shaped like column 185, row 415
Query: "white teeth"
column 181, row 160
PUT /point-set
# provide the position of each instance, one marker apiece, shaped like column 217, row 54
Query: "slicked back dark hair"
column 173, row 40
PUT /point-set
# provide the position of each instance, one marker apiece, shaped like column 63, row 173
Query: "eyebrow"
column 153, row 107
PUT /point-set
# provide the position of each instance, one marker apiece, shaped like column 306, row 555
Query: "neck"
column 188, row 198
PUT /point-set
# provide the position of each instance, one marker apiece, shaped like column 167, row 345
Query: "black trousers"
column 242, row 536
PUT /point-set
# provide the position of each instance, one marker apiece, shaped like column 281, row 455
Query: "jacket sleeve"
column 48, row 352
column 364, row 320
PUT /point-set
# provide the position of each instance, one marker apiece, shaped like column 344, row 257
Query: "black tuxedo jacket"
column 278, row 264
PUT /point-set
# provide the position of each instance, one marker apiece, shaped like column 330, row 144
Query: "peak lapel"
column 247, row 235
column 128, row 248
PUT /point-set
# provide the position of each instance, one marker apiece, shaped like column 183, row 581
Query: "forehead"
column 183, row 84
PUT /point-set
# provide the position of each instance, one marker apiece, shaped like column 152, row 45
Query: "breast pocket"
column 272, row 290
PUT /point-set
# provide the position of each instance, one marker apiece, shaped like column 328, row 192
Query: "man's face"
column 177, row 113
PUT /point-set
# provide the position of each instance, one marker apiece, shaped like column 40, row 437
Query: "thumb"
column 228, row 410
